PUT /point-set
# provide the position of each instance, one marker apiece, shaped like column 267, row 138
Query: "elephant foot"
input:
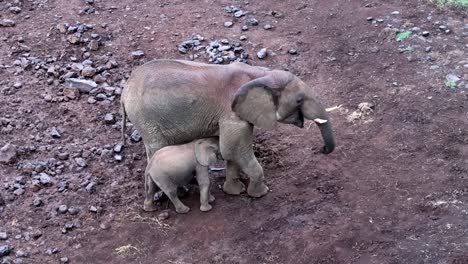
column 233, row 187
column 149, row 206
column 257, row 189
column 205, row 208
column 182, row 209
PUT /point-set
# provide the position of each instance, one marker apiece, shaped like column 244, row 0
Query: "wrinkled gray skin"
column 173, row 102
column 174, row 166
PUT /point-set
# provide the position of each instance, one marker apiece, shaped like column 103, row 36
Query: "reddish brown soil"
column 394, row 191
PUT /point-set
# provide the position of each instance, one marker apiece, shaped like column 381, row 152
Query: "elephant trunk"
column 329, row 140
column 313, row 110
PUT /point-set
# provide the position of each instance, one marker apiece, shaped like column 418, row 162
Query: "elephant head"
column 207, row 151
column 281, row 96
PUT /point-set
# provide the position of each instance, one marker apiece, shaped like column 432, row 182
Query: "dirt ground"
column 394, row 191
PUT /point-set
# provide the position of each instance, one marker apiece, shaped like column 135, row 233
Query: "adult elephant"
column 173, row 102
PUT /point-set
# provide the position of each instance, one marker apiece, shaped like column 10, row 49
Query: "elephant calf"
column 174, row 166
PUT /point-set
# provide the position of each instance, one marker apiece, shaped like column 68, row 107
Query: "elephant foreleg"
column 233, row 185
column 236, row 137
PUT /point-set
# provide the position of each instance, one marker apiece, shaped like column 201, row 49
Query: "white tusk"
column 320, row 121
column 278, row 117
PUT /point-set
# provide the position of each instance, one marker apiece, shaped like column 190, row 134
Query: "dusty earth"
column 394, row 191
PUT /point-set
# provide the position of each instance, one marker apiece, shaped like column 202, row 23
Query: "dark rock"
column 91, row 187
column 5, row 250
column 252, row 22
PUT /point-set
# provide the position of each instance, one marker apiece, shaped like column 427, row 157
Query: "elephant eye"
column 300, row 99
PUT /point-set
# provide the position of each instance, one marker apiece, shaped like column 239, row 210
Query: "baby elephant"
column 174, row 166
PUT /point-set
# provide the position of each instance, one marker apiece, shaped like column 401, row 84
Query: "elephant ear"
column 205, row 152
column 255, row 102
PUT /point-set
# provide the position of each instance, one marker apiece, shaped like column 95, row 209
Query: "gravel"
column 262, row 53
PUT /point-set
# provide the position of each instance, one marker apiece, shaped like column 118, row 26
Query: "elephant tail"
column 124, row 121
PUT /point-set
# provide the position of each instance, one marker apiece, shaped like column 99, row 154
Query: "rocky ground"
column 393, row 73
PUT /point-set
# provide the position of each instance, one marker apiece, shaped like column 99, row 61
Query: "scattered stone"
column 21, row 254
column 80, row 162
column 48, row 98
column 62, row 27
column 104, row 225
column 369, row 18
column 92, row 100
column 51, row 251
column 118, row 157
column 137, row 54
column 380, row 20
column 93, row 209
column 292, row 51
column 93, row 45
column 268, row 27
column 91, row 187
column 395, row 13
column 244, row 28
column 73, row 211
column 425, row 33
column 84, row 86
column 88, row 72
column 15, row 9
column 136, row 137
column 5, row 250
column 44, row 179
column 19, row 191
column 452, row 78
column 37, row 202
column 63, row 156
column 243, row 37
column 109, row 119
column 54, row 133
column 3, row 236
column 8, row 153
column 428, row 49
column 434, row 67
column 252, row 22
column 73, row 39
column 240, row 13
column 228, row 24
column 7, row 23
column 62, row 208
column 262, row 53
column 118, row 148
column 64, row 260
